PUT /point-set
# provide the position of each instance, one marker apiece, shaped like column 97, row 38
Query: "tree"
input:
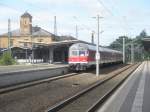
column 143, row 34
column 138, row 46
column 118, row 43
column 7, row 59
column 138, row 39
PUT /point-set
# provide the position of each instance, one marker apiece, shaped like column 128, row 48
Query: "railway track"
column 32, row 83
column 98, row 104
column 98, row 92
column 21, row 85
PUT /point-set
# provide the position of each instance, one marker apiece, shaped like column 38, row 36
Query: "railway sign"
column 97, row 56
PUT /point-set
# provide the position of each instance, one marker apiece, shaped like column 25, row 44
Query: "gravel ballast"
column 38, row 98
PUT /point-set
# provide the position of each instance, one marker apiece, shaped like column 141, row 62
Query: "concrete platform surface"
column 14, row 75
column 133, row 95
column 29, row 67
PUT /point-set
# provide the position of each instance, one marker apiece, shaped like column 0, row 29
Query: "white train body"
column 82, row 56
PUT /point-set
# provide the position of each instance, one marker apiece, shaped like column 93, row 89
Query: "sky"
column 118, row 17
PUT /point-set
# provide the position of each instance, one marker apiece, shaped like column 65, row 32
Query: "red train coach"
column 82, row 56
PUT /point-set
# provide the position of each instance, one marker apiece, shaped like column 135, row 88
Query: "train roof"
column 93, row 47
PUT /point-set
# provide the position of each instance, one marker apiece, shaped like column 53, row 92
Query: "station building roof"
column 26, row 14
column 58, row 43
column 70, row 42
column 36, row 31
column 39, row 32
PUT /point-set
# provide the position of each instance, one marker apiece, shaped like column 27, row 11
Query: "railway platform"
column 31, row 67
column 19, row 74
column 133, row 95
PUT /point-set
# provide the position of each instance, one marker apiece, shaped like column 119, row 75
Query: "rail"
column 95, row 106
column 67, row 101
column 36, row 82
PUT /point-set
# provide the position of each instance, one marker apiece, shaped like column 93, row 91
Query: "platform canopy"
column 146, row 43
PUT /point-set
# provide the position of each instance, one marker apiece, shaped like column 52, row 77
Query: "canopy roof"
column 146, row 43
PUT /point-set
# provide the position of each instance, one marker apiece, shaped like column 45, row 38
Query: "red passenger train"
column 82, row 56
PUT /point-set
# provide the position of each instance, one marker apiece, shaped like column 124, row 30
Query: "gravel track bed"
column 84, row 102
column 15, row 68
column 38, row 98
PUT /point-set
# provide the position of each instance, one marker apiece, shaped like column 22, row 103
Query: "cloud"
column 91, row 6
column 4, row 26
column 43, row 12
column 8, row 11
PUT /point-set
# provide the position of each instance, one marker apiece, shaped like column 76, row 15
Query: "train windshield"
column 74, row 53
column 82, row 53
column 78, row 53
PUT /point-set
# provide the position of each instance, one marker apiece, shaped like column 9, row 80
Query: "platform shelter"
column 146, row 43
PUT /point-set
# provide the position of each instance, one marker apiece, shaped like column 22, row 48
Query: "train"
column 82, row 56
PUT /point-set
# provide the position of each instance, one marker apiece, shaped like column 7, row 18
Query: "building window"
column 40, row 40
column 25, row 44
column 26, row 39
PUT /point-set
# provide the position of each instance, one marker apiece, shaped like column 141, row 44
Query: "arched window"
column 25, row 22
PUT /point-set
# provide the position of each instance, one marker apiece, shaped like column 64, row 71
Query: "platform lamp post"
column 132, row 49
column 26, row 52
column 32, row 54
column 123, row 50
column 135, row 48
column 9, row 35
column 32, row 47
column 97, row 49
column 97, row 55
column 132, row 53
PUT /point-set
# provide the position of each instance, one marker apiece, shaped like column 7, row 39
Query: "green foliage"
column 138, row 39
column 118, row 43
column 139, row 52
column 143, row 34
column 6, row 59
column 147, row 55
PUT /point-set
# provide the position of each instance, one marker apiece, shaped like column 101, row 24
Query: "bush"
column 6, row 59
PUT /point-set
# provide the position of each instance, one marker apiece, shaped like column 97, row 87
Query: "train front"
column 78, row 56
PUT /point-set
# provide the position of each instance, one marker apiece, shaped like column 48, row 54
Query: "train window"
column 82, row 53
column 74, row 53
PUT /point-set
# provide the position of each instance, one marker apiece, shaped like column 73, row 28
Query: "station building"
column 34, row 44
column 26, row 35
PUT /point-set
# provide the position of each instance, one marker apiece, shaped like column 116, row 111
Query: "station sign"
column 97, row 56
